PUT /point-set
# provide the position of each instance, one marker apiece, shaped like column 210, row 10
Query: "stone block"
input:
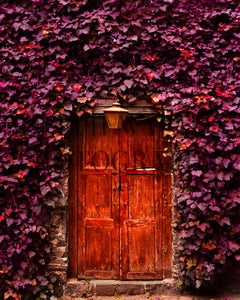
column 59, row 252
column 61, row 202
column 130, row 288
column 58, row 265
column 58, row 279
column 75, row 288
column 61, row 240
column 105, row 290
column 158, row 287
column 152, row 288
column 65, row 298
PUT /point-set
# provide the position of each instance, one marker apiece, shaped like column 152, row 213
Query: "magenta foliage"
column 59, row 56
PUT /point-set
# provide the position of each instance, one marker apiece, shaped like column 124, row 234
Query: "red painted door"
column 122, row 206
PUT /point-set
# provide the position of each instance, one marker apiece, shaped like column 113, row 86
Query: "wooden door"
column 120, row 212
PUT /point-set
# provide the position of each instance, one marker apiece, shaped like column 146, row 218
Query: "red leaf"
column 186, row 54
column 210, row 119
column 77, row 87
column 150, row 76
column 58, row 87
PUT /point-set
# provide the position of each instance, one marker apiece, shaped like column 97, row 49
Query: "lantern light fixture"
column 115, row 115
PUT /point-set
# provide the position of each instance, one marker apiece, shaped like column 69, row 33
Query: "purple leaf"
column 32, row 140
column 225, row 162
column 209, row 177
column 220, row 175
column 202, row 206
column 128, row 83
column 197, row 173
column 214, row 208
column 210, row 267
column 16, row 74
column 236, row 166
column 45, row 189
column 202, row 226
column 31, row 254
column 9, row 221
column 224, row 220
column 197, row 194
column 228, row 176
column 24, row 265
column 233, row 246
column 169, row 72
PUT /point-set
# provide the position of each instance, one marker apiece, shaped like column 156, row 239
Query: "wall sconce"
column 115, row 115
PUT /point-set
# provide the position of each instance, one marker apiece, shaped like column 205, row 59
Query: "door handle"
column 117, row 189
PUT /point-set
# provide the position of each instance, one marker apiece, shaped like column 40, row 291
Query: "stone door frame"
column 59, row 264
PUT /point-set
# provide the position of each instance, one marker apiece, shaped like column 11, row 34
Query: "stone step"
column 85, row 288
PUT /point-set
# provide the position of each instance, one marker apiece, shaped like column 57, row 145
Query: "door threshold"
column 102, row 287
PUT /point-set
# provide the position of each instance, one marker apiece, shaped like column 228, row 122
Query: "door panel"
column 98, row 199
column 140, row 222
column 98, row 202
column 141, row 197
column 141, row 252
column 123, row 211
column 99, row 248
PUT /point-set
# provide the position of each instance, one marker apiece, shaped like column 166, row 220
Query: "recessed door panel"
column 141, row 197
column 98, row 203
column 98, row 245
column 141, row 238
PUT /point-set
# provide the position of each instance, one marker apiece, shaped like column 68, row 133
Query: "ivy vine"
column 58, row 57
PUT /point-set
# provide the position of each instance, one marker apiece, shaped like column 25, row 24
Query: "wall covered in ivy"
column 58, row 57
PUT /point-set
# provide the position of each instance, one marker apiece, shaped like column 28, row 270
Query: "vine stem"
column 14, row 200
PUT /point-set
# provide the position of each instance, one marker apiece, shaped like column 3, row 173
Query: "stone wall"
column 176, row 273
column 58, row 237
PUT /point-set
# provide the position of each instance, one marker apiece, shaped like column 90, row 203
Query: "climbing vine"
column 58, row 57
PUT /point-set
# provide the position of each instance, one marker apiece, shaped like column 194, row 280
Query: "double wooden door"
column 120, row 207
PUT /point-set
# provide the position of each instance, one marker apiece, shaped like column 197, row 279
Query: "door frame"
column 143, row 109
